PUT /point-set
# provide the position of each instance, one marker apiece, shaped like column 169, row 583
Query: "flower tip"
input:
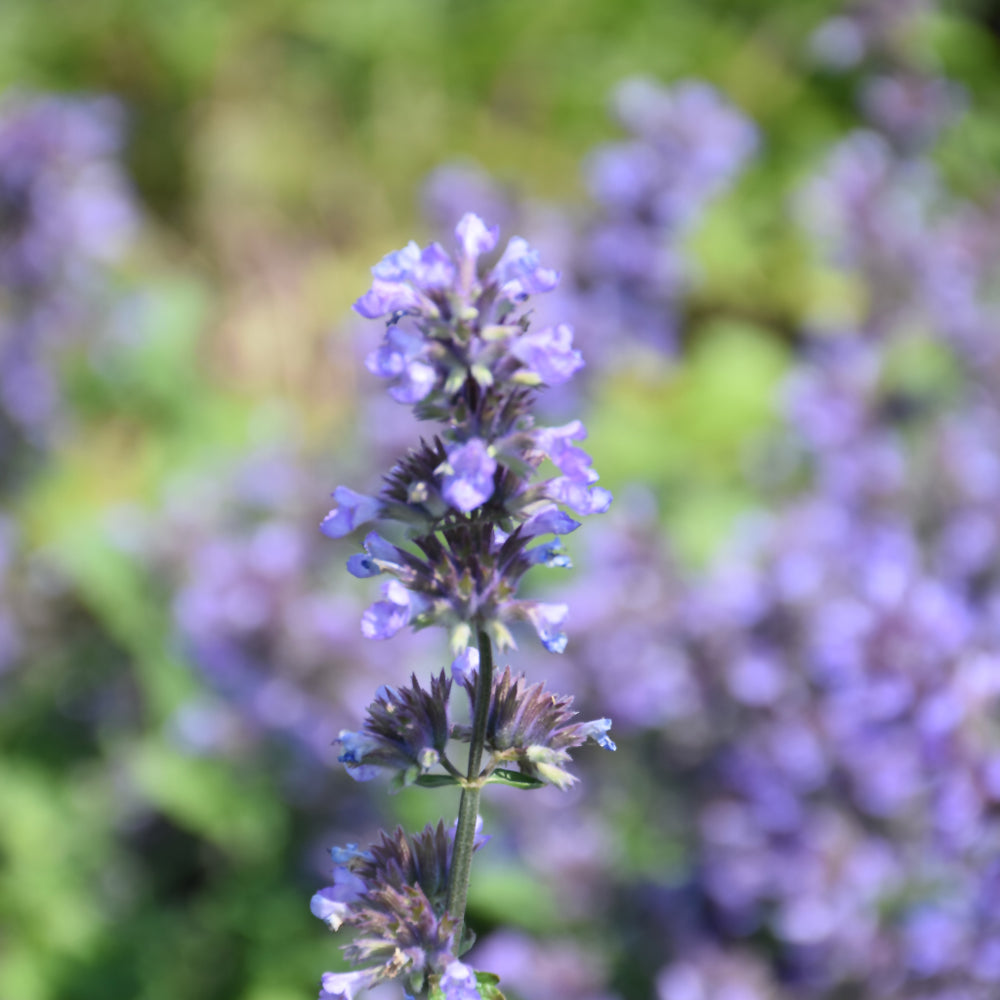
column 475, row 236
column 328, row 909
column 547, row 620
column 333, row 525
column 353, row 509
column 343, row 985
column 555, row 643
column 362, row 566
column 598, row 732
column 600, row 500
column 370, row 305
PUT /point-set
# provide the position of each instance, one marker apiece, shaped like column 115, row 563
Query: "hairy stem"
column 468, row 809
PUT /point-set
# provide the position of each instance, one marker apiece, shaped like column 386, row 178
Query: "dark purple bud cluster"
column 407, row 732
column 531, row 728
column 393, row 896
column 467, row 571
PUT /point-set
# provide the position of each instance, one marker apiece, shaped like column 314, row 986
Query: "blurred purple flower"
column 66, row 214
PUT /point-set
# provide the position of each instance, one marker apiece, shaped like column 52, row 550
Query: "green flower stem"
column 468, row 809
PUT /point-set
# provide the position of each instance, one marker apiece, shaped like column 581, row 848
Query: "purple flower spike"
column 66, row 215
column 548, row 354
column 468, row 475
column 475, row 236
column 401, row 882
column 476, row 517
column 353, row 509
column 459, row 983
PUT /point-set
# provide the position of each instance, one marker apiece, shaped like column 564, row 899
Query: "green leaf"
column 503, row 776
column 435, row 780
column 488, row 985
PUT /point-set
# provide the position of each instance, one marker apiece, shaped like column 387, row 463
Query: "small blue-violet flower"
column 352, row 510
column 467, row 476
column 459, row 983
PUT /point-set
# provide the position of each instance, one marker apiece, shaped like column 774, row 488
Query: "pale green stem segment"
column 468, row 809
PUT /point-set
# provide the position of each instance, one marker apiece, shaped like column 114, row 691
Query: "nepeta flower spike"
column 470, row 520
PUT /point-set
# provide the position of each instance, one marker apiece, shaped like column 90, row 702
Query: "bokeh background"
column 777, row 226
